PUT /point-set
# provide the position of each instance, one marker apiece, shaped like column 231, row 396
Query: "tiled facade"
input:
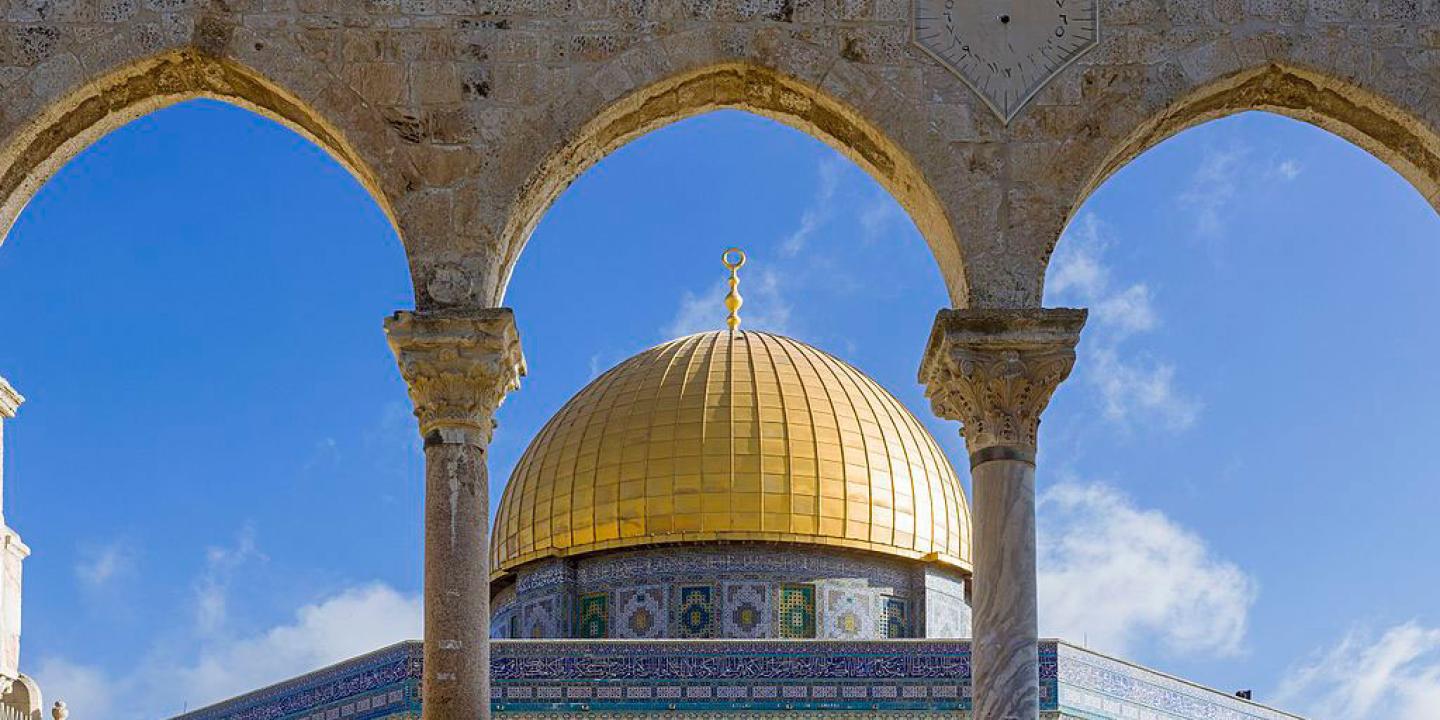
column 742, row 679
column 641, row 612
column 696, row 613
column 383, row 685
column 796, row 611
column 594, row 621
column 732, row 591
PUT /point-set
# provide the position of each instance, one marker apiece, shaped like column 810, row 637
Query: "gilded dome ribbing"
column 732, row 436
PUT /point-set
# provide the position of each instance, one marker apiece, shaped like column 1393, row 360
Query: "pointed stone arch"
column 64, row 128
column 1372, row 122
column 1399, row 132
column 763, row 91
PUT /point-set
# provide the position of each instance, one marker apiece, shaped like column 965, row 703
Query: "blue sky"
column 220, row 479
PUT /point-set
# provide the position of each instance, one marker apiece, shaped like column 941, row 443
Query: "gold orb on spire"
column 733, row 301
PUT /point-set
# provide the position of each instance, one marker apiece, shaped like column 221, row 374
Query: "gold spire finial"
column 733, row 301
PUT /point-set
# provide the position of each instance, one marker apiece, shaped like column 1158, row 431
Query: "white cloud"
column 1393, row 677
column 1131, row 388
column 1288, row 169
column 766, row 306
column 1128, row 311
column 355, row 621
column 1076, row 270
column 1113, row 576
column 876, row 215
column 100, row 566
column 821, row 207
column 85, row 689
column 1213, row 187
column 325, row 454
column 213, row 587
column 349, row 623
column 1079, row 274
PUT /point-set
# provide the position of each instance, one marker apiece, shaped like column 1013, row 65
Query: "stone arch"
column 1374, row 123
column 87, row 113
column 23, row 697
column 759, row 90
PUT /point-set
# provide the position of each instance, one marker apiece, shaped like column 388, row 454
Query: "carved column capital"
column 459, row 366
column 994, row 371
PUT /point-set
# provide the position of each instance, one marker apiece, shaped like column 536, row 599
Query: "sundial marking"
column 990, row 43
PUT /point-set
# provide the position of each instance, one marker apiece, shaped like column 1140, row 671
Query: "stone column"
column 12, row 557
column 459, row 366
column 994, row 371
column 10, row 402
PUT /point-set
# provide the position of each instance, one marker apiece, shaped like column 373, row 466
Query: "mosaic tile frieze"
column 505, row 623
column 746, row 610
column 543, row 618
column 632, row 680
column 947, row 613
column 759, row 574
column 848, row 612
column 593, row 617
column 700, row 562
column 895, row 617
column 381, row 684
column 695, row 612
column 540, row 576
column 641, row 613
column 795, row 611
column 1092, row 684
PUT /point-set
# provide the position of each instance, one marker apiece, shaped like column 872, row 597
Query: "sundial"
column 1006, row 50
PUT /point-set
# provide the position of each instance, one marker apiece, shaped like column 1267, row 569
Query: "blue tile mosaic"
column 623, row 678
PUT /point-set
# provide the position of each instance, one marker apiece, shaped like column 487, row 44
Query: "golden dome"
column 732, row 436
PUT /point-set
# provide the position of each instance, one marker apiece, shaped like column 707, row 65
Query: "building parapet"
column 655, row 678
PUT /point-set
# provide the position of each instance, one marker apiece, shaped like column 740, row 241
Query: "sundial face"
column 1006, row 50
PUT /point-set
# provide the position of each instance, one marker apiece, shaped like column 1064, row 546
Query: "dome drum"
column 740, row 590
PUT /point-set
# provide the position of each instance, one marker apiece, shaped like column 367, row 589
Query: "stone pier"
column 459, row 366
column 994, row 371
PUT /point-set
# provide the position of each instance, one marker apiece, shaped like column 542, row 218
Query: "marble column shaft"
column 994, row 371
column 459, row 366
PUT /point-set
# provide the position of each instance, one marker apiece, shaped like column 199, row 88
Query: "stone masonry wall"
column 466, row 118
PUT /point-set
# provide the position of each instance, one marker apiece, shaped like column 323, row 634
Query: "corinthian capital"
column 459, row 366
column 994, row 371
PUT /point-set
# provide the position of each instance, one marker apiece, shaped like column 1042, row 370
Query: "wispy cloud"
column 821, row 207
column 325, row 454
column 1213, row 187
column 1080, row 274
column 212, row 588
column 1132, row 386
column 1095, row 541
column 100, row 566
column 1139, row 387
column 1395, row 676
column 348, row 623
column 210, row 660
column 1287, row 169
column 766, row 307
column 877, row 215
